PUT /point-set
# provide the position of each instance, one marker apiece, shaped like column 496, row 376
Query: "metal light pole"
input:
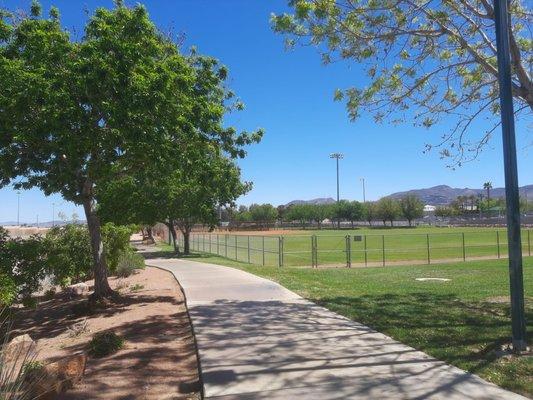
column 501, row 17
column 18, row 208
column 337, row 156
column 53, row 214
column 364, row 193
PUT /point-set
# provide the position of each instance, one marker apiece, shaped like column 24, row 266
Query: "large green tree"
column 426, row 61
column 388, row 209
column 264, row 214
column 411, row 207
column 196, row 193
column 76, row 115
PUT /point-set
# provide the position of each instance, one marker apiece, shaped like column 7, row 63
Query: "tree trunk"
column 172, row 230
column 409, row 222
column 150, row 234
column 101, row 285
column 186, row 241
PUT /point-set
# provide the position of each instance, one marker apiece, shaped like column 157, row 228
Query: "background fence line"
column 356, row 250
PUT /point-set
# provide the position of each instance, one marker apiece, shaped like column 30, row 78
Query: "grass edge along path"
column 464, row 321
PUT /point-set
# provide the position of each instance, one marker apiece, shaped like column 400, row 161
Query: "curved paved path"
column 258, row 340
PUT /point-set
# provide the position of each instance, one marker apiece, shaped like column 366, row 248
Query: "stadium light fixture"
column 512, row 197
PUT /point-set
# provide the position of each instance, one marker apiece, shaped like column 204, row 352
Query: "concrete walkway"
column 258, row 340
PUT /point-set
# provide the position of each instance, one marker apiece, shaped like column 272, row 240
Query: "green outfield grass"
column 464, row 321
column 372, row 246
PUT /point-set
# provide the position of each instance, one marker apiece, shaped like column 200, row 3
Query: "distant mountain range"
column 324, row 200
column 443, row 194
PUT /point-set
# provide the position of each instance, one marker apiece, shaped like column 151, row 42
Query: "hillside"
column 327, row 200
column 443, row 194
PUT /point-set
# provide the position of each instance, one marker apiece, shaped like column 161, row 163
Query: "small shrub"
column 8, row 290
column 128, row 263
column 49, row 294
column 30, row 302
column 78, row 328
column 31, row 367
column 105, row 343
column 136, row 287
column 116, row 243
column 121, row 285
column 23, row 265
column 69, row 254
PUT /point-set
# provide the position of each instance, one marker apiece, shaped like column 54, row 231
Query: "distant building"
column 429, row 208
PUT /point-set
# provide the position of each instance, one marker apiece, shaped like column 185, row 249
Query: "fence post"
column 528, row 243
column 248, row 249
column 464, row 248
column 210, row 245
column 218, row 245
column 226, row 245
column 383, row 248
column 366, row 251
column 312, row 251
column 263, row 240
column 236, row 250
column 316, row 251
column 429, row 254
column 348, row 252
column 498, row 242
column 280, row 251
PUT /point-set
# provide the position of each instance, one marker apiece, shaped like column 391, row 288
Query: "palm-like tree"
column 487, row 186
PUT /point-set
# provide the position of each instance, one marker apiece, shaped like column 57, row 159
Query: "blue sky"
column 290, row 95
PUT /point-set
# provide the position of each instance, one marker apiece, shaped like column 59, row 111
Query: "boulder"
column 79, row 289
column 18, row 349
column 55, row 378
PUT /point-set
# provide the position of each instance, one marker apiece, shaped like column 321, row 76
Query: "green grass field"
column 373, row 247
column 464, row 322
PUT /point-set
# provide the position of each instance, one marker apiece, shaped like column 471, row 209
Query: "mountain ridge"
column 441, row 195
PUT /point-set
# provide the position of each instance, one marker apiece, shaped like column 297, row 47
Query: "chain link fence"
column 357, row 250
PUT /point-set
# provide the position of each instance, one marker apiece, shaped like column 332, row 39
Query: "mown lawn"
column 464, row 321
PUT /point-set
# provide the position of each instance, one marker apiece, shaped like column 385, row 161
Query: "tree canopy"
column 78, row 115
column 411, row 207
column 426, row 61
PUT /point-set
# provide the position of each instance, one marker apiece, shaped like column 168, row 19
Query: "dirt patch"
column 25, row 231
column 159, row 358
column 270, row 232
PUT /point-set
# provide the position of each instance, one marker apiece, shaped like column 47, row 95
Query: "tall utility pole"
column 364, row 193
column 512, row 197
column 337, row 156
column 18, row 208
column 53, row 214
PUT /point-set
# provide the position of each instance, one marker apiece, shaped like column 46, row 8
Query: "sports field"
column 359, row 247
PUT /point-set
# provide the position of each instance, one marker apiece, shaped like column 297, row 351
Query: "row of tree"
column 386, row 209
column 475, row 205
column 119, row 121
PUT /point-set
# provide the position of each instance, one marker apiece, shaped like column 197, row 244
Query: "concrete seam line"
column 197, row 351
